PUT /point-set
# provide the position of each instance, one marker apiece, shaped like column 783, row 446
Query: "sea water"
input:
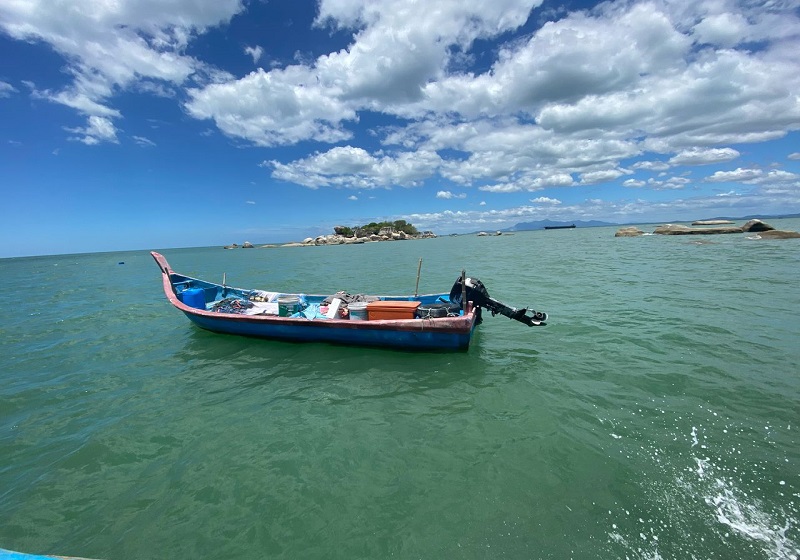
column 655, row 416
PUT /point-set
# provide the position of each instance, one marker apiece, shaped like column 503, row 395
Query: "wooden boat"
column 425, row 322
column 12, row 555
column 560, row 227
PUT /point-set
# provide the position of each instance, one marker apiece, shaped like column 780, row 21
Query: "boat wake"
column 712, row 501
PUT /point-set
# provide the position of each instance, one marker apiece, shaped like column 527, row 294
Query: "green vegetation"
column 374, row 228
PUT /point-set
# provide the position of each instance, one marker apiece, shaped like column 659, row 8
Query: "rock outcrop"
column 630, row 231
column 757, row 225
column 764, row 230
column 778, row 234
column 678, row 229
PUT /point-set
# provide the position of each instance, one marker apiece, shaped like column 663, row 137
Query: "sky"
column 144, row 124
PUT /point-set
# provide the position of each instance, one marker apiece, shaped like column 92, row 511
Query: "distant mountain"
column 523, row 226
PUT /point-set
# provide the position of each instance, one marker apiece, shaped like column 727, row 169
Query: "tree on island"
column 374, row 228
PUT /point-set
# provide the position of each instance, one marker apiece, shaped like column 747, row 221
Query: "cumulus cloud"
column 585, row 98
column 699, row 156
column 651, row 165
column 546, row 200
column 672, row 183
column 633, row 183
column 448, row 195
column 603, row 175
column 273, row 108
column 794, row 156
column 112, row 46
column 352, row 167
column 739, row 175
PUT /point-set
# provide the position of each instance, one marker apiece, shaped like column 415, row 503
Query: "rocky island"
column 715, row 227
column 399, row 230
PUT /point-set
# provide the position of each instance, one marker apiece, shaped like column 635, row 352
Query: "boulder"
column 630, row 231
column 778, row 234
column 247, row 245
column 307, row 241
column 756, row 225
column 677, row 229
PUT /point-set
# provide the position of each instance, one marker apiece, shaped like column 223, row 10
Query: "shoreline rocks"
column 338, row 239
column 630, row 231
column 676, row 229
column 713, row 227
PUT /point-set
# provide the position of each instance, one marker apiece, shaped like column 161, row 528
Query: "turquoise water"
column 655, row 416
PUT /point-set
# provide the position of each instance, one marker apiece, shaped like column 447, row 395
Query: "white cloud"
column 575, row 97
column 254, row 52
column 672, row 183
column 395, row 52
column 753, row 177
column 759, row 201
column 633, row 183
column 546, row 200
column 351, row 167
column 352, row 197
column 651, row 165
column 723, row 29
column 603, row 175
column 111, row 46
column 273, row 108
column 6, row 89
column 448, row 195
column 97, row 130
column 738, row 175
column 700, row 156
column 794, row 156
column 142, row 141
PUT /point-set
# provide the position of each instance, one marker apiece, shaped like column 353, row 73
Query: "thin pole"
column 416, row 288
column 464, row 290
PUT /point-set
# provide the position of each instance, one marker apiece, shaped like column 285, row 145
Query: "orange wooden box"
column 377, row 310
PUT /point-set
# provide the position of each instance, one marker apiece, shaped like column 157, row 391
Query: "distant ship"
column 559, row 227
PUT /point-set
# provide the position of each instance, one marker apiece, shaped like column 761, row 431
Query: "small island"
column 399, row 230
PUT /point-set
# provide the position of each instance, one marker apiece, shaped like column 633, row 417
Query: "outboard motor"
column 476, row 292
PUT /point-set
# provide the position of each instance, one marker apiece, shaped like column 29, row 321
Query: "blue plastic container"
column 194, row 297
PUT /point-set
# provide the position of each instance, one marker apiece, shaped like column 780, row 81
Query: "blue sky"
column 172, row 123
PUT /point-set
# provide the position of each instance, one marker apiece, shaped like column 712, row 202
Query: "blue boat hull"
column 355, row 333
column 193, row 297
